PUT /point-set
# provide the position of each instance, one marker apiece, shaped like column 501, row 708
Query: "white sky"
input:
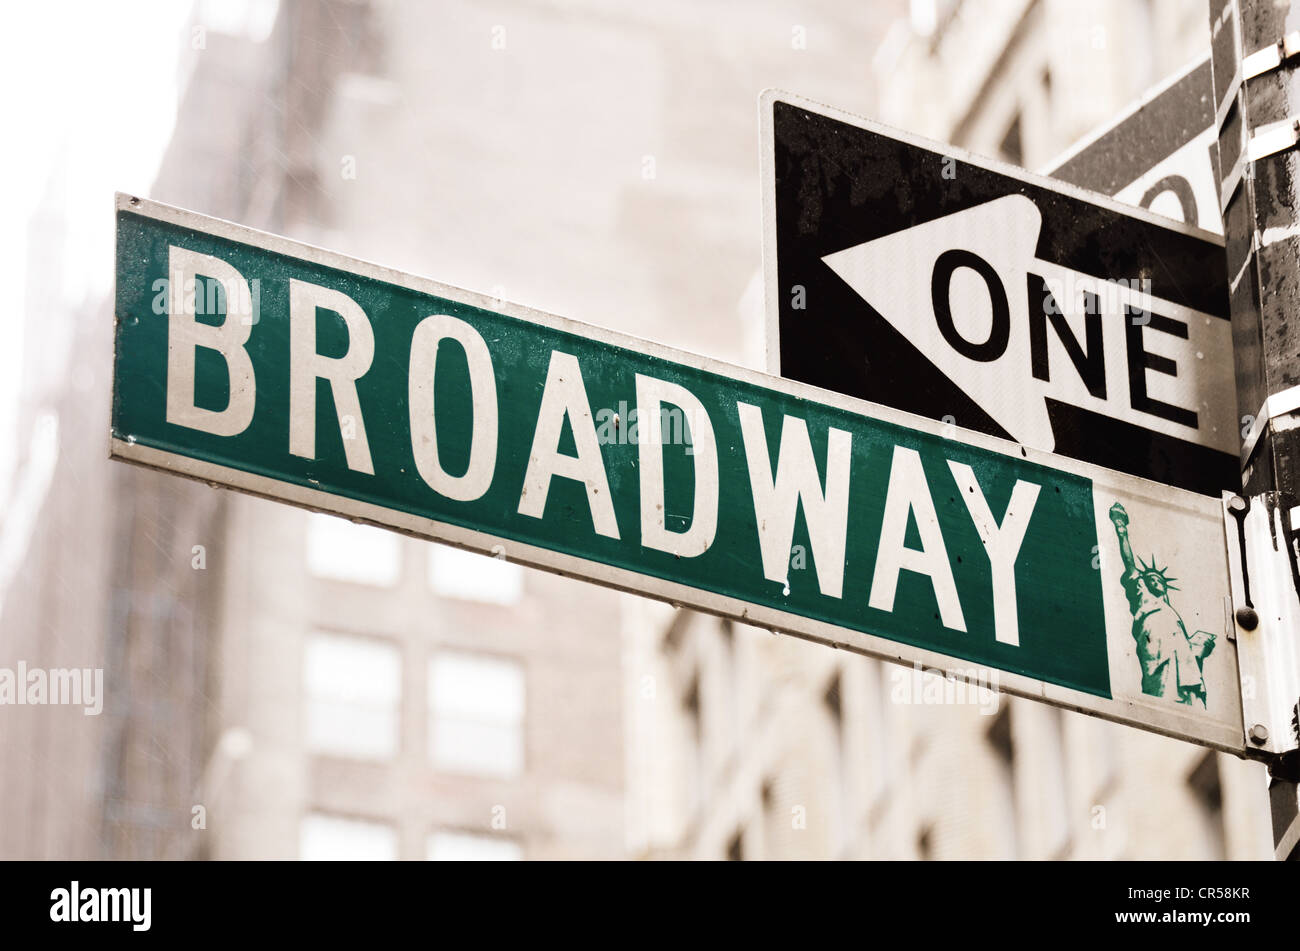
column 96, row 84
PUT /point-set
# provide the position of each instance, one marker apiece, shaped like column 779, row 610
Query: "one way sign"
column 962, row 289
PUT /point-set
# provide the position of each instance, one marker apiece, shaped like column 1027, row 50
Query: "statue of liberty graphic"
column 1171, row 660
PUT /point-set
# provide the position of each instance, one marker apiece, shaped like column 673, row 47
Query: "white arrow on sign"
column 1012, row 330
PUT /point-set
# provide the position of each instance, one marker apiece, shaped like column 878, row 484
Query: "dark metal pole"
column 1256, row 67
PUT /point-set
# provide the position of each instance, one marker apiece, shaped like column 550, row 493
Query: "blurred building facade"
column 771, row 748
column 283, row 684
column 279, row 684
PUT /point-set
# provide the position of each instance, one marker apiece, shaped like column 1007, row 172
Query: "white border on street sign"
column 1162, row 718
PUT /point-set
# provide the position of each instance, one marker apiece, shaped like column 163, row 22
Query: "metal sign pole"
column 1255, row 88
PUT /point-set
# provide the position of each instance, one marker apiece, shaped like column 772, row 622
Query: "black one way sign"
column 966, row 290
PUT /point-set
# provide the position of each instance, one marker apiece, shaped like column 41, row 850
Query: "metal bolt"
column 1236, row 504
column 1259, row 734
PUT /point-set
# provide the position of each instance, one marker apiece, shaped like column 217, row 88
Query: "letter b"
column 185, row 335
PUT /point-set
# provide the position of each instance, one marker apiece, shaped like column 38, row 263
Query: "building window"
column 930, row 17
column 246, row 19
column 344, row 551
column 925, row 844
column 736, row 847
column 476, row 714
column 469, row 847
column 333, row 839
column 924, row 16
column 1056, row 786
column 1012, row 148
column 1207, row 791
column 784, row 818
column 1004, row 753
column 733, row 685
column 833, row 700
column 1105, row 743
column 883, row 729
column 728, row 631
column 695, row 765
column 353, row 690
column 456, row 573
column 677, row 628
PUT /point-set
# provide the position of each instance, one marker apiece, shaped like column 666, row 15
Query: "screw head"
column 1248, row 618
column 1236, row 504
column 1259, row 734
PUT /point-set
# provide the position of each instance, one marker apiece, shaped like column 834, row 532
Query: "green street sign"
column 294, row 373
